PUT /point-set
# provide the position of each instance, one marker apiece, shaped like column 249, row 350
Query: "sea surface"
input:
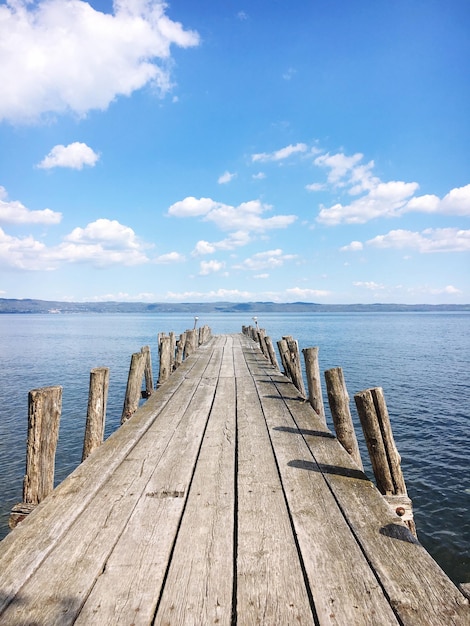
column 421, row 360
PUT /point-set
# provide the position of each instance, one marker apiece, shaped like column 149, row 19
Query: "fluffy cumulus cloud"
column 211, row 267
column 64, row 55
column 13, row 212
column 246, row 217
column 101, row 243
column 170, row 258
column 279, row 155
column 234, row 240
column 374, row 198
column 73, row 156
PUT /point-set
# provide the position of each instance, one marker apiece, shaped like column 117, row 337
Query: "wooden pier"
column 223, row 500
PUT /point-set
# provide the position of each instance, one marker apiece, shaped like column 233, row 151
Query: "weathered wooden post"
column 271, row 353
column 44, row 410
column 191, row 342
column 180, row 349
column 338, row 399
column 147, row 372
column 96, row 413
column 285, row 357
column 296, row 369
column 262, row 342
column 134, row 386
column 164, row 350
column 312, row 371
column 383, row 453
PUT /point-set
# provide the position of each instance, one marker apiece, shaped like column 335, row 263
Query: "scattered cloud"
column 102, row 243
column 279, row 155
column 429, row 240
column 354, row 246
column 234, row 240
column 270, row 259
column 261, row 276
column 307, row 294
column 259, row 176
column 74, row 156
column 241, row 15
column 246, row 217
column 170, row 257
column 76, row 58
column 370, row 285
column 378, row 199
column 210, row 267
column 226, row 177
column 13, row 212
column 289, row 74
column 230, row 295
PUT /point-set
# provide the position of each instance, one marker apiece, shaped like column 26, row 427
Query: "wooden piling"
column 96, row 413
column 164, row 350
column 295, row 366
column 272, row 354
column 191, row 342
column 312, row 371
column 147, row 372
column 338, row 400
column 383, row 453
column 134, row 386
column 180, row 350
column 44, row 410
column 262, row 342
column 172, row 351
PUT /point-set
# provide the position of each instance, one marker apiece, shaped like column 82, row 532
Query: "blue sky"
column 312, row 151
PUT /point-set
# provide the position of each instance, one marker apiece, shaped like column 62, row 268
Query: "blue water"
column 422, row 361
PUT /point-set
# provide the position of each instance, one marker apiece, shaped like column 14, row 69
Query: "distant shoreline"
column 30, row 306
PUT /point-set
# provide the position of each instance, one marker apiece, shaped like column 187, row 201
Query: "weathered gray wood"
column 338, row 400
column 180, row 350
column 96, row 412
column 191, row 342
column 285, row 357
column 44, row 409
column 164, row 351
column 203, row 575
column 172, row 351
column 148, row 374
column 25, row 549
column 375, row 445
column 295, row 366
column 312, row 372
column 268, row 568
column 465, row 589
column 418, row 590
column 272, row 354
column 134, row 386
column 262, row 342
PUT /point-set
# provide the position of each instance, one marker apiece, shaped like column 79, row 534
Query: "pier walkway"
column 223, row 500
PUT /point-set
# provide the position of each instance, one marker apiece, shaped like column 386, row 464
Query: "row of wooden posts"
column 371, row 408
column 45, row 408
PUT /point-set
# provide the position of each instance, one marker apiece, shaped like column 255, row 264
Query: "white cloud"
column 354, row 246
column 13, row 212
column 234, row 240
column 231, row 295
column 456, row 202
column 102, row 243
column 261, row 276
column 289, row 74
column 259, row 176
column 225, row 178
column 170, row 257
column 210, row 267
column 307, row 294
column 370, row 285
column 74, row 156
column 63, row 55
column 279, row 155
column 429, row 240
column 268, row 259
column 339, row 164
column 384, row 200
column 315, row 187
column 246, row 217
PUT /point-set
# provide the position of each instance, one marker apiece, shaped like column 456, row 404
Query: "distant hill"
column 23, row 306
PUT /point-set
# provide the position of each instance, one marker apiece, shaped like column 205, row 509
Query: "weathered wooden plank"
column 198, row 587
column 418, row 590
column 22, row 551
column 227, row 367
column 152, row 472
column 343, row 587
column 270, row 583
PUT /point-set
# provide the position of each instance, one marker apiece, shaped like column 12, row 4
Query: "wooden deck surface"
column 223, row 500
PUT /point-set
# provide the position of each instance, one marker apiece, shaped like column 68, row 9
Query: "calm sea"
column 422, row 361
